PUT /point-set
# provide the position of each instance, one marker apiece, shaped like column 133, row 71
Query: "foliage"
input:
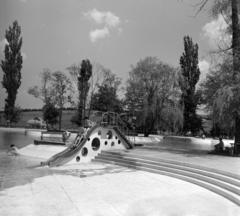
column 50, row 114
column 226, row 99
column 11, row 68
column 17, row 114
column 188, row 79
column 74, row 118
column 56, row 89
column 95, row 80
column 63, row 91
column 150, row 88
column 83, row 87
column 106, row 98
column 171, row 117
column 45, row 92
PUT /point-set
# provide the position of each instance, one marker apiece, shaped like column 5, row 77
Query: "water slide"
column 54, row 157
column 68, row 154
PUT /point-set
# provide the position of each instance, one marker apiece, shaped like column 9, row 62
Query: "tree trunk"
column 237, row 132
column 149, row 126
column 236, row 61
column 60, row 119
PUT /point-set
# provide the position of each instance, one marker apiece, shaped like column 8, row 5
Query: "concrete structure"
column 163, row 177
column 97, row 139
column 102, row 189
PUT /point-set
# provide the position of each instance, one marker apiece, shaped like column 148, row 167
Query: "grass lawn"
column 67, row 114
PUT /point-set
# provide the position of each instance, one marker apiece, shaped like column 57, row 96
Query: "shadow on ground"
column 185, row 152
column 21, row 170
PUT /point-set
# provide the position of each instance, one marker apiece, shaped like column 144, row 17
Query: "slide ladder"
column 126, row 142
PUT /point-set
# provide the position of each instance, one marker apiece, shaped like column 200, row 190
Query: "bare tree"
column 45, row 91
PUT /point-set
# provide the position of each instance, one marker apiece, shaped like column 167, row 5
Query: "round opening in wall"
column 77, row 158
column 116, row 137
column 119, row 141
column 84, row 152
column 95, row 144
column 112, row 144
column 109, row 134
column 88, row 139
column 105, row 142
column 99, row 132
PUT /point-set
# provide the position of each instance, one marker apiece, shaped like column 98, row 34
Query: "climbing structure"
column 108, row 132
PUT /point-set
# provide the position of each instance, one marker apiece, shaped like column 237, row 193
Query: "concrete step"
column 224, row 185
column 139, row 155
column 227, row 186
column 139, row 161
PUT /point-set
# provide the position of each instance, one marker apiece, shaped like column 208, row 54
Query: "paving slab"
column 26, row 188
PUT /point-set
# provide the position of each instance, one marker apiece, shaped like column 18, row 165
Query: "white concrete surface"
column 99, row 190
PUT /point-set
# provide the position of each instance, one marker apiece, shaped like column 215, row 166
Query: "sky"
column 114, row 33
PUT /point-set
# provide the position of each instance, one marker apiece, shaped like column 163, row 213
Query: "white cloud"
column 111, row 20
column 24, row 56
column 102, row 17
column 120, row 30
column 214, row 31
column 204, row 67
column 2, row 47
column 2, row 44
column 99, row 33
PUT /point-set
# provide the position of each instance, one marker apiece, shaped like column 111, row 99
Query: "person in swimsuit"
column 13, row 151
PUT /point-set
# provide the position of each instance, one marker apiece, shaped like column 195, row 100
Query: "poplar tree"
column 11, row 68
column 188, row 79
column 83, row 87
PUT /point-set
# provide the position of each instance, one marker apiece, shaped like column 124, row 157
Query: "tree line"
column 157, row 95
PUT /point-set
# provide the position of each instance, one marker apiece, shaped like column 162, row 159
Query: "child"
column 80, row 136
column 66, row 135
column 13, row 151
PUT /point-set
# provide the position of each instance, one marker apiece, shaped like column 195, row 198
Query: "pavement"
column 96, row 189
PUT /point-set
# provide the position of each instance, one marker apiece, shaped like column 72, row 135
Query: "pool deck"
column 26, row 188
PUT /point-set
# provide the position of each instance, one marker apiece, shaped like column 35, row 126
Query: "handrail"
column 94, row 115
column 113, row 119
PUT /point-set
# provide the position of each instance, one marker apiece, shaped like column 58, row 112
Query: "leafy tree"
column 50, row 114
column 11, row 67
column 74, row 119
column 83, row 87
column 188, row 79
column 17, row 114
column 227, row 97
column 152, row 84
column 106, row 98
column 171, row 117
column 217, row 77
column 45, row 92
column 63, row 91
column 95, row 80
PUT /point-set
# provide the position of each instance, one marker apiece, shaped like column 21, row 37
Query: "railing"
column 114, row 120
column 96, row 116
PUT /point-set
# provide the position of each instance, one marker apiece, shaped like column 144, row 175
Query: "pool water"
column 17, row 136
